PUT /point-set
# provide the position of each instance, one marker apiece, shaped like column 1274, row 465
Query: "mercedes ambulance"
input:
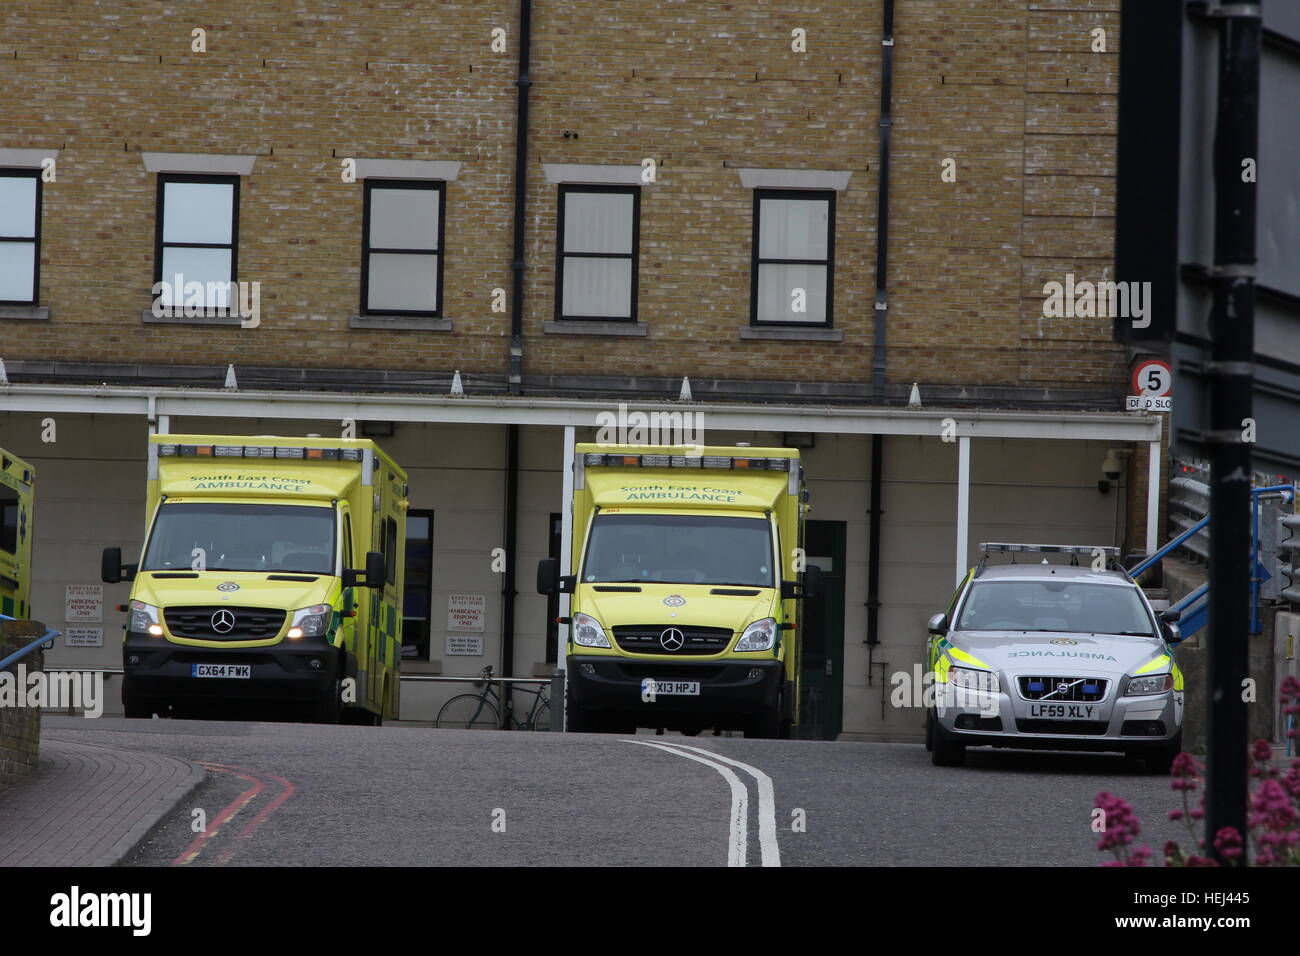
column 686, row 588
column 17, row 482
column 271, row 571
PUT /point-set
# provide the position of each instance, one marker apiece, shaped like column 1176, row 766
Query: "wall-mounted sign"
column 84, row 603
column 464, row 645
column 465, row 612
column 83, row 637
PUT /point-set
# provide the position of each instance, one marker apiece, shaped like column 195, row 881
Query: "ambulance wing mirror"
column 810, row 588
column 938, row 624
column 373, row 576
column 111, row 568
column 549, row 579
column 376, row 569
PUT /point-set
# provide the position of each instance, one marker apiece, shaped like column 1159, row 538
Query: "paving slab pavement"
column 89, row 805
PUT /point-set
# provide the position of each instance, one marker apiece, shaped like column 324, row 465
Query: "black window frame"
column 232, row 305
column 440, row 187
column 561, row 254
column 755, row 261
column 25, row 173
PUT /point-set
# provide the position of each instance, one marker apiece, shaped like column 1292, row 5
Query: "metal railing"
column 1270, row 539
column 46, row 640
column 1289, row 566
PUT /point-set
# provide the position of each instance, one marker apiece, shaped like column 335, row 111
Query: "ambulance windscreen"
column 214, row 536
column 680, row 549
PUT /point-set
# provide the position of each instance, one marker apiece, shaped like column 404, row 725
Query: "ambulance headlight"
column 144, row 619
column 759, row 636
column 1154, row 684
column 311, row 621
column 970, row 679
column 587, row 632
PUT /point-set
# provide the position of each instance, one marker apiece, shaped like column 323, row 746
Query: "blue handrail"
column 50, row 634
column 1153, row 558
column 1288, row 492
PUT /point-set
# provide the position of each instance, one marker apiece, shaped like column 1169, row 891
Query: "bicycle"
column 480, row 711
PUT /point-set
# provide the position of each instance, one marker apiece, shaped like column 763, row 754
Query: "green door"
column 822, row 666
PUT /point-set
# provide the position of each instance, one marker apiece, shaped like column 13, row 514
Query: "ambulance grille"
column 201, row 623
column 1087, row 690
column 649, row 639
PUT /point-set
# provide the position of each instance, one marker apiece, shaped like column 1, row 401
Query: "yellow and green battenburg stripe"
column 948, row 654
column 1157, row 663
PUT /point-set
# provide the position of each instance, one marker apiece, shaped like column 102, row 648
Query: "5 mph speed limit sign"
column 1153, row 380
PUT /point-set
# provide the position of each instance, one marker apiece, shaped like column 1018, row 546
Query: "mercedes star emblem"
column 223, row 622
column 672, row 639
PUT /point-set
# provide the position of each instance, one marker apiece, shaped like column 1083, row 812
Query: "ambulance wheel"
column 765, row 726
column 929, row 731
column 329, row 708
column 580, row 721
column 360, row 717
column 137, row 707
column 945, row 751
column 1161, row 761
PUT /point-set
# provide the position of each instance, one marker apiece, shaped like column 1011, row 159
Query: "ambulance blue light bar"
column 620, row 460
column 259, row 451
column 1004, row 547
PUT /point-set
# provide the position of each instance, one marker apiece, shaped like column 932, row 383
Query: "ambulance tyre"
column 929, row 731
column 765, row 726
column 1161, row 761
column 580, row 721
column 329, row 708
column 137, row 707
column 945, row 751
column 360, row 717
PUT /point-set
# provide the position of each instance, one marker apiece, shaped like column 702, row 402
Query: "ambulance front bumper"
column 155, row 668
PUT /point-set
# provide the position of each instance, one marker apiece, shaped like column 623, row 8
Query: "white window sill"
column 788, row 333
column 405, row 323
column 178, row 317
column 29, row 313
column 595, row 327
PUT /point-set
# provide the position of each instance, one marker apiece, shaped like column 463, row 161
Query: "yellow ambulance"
column 271, row 571
column 688, row 573
column 17, row 481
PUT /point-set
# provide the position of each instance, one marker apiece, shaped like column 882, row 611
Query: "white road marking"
column 770, row 850
column 738, row 833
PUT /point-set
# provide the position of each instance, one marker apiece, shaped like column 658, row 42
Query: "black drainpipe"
column 515, row 384
column 508, row 575
column 523, row 83
column 878, row 338
column 882, row 203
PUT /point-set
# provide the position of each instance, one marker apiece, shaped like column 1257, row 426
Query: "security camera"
column 1112, row 467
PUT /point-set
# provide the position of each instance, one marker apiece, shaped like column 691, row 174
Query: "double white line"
column 738, row 832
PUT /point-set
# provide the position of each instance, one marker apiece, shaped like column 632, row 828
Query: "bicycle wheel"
column 468, row 712
column 542, row 718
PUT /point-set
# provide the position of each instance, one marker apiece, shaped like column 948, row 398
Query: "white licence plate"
column 678, row 687
column 222, row 670
column 1063, row 711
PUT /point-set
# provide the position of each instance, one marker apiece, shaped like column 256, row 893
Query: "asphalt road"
column 301, row 794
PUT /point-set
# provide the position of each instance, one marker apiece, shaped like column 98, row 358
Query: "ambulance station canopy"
column 156, row 403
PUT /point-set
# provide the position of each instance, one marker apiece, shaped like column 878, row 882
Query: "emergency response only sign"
column 84, row 604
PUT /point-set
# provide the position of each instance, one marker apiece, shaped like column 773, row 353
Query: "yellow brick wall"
column 1010, row 91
